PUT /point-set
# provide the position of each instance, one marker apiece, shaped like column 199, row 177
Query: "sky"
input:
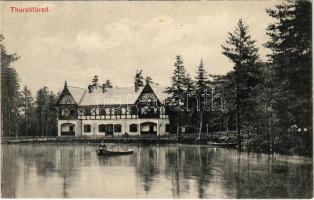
column 76, row 40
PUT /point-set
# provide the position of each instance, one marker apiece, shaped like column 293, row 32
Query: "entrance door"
column 149, row 128
column 67, row 129
column 109, row 129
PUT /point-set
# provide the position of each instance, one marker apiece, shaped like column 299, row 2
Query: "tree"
column 178, row 78
column 241, row 50
column 41, row 110
column 9, row 92
column 201, row 79
column 138, row 80
column 201, row 87
column 290, row 40
column 52, row 114
column 179, row 115
column 45, row 112
column 27, row 107
column 189, row 84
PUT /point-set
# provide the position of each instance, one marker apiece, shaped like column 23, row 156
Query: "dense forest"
column 22, row 115
column 267, row 103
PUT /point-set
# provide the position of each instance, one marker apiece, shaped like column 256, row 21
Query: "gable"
column 118, row 95
column 67, row 99
column 147, row 95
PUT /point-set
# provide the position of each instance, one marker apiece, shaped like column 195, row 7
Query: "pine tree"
column 241, row 50
column 26, row 102
column 52, row 115
column 177, row 105
column 291, row 44
column 189, row 84
column 201, row 79
column 42, row 110
column 45, row 112
column 138, row 80
column 9, row 92
column 201, row 87
column 178, row 78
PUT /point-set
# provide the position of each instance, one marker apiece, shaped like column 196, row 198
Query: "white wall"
column 125, row 124
column 77, row 127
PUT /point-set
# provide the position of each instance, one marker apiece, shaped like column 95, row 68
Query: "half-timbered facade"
column 112, row 111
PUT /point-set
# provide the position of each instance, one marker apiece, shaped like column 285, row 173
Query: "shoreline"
column 82, row 140
column 169, row 139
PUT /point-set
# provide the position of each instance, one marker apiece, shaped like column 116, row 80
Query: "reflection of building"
column 112, row 111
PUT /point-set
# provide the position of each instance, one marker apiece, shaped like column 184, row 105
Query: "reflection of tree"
column 66, row 168
column 240, row 175
column 147, row 166
column 184, row 162
column 45, row 158
column 263, row 176
column 205, row 169
column 9, row 177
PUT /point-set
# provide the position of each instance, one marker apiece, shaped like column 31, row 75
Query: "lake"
column 153, row 171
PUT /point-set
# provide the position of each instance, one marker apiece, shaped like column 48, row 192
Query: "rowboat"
column 109, row 152
column 215, row 144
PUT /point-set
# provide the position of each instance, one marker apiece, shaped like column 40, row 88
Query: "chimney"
column 103, row 88
column 90, row 90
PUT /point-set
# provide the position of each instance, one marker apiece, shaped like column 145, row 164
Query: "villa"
column 98, row 110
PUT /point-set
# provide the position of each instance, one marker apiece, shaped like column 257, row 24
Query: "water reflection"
column 166, row 171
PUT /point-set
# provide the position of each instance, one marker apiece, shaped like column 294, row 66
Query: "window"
column 117, row 128
column 117, row 111
column 87, row 128
column 65, row 112
column 102, row 128
column 163, row 110
column 88, row 111
column 81, row 111
column 128, row 110
column 109, row 128
column 102, row 111
column 134, row 110
column 93, row 111
column 167, row 128
column 133, row 127
column 107, row 110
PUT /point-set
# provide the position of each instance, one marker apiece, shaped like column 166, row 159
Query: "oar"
column 93, row 149
column 88, row 151
column 75, row 156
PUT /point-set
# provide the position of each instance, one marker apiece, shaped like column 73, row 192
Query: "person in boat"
column 102, row 145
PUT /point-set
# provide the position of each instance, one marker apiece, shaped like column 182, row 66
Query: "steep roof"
column 77, row 93
column 116, row 95
column 160, row 92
